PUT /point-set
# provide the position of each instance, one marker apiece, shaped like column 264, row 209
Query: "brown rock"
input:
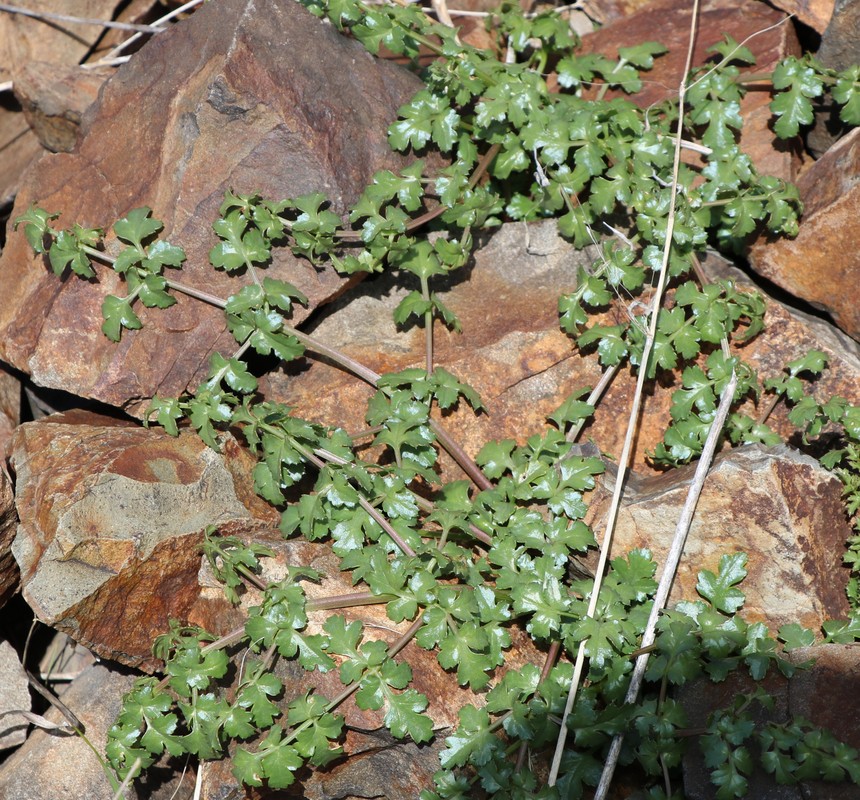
column 817, row 693
column 512, row 351
column 820, row 264
column 815, row 13
column 10, row 407
column 778, row 506
column 20, row 147
column 668, row 22
column 254, row 96
column 14, row 696
column 112, row 518
column 9, row 575
column 54, row 98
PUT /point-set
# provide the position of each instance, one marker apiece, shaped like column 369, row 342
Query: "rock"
column 778, row 506
column 512, row 351
column 10, row 406
column 817, row 693
column 668, row 22
column 26, row 39
column 63, row 767
column 9, row 575
column 115, row 553
column 814, row 13
column 840, row 49
column 257, row 96
column 820, row 265
column 14, row 696
column 54, row 98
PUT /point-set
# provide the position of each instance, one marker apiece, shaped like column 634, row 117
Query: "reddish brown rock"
column 54, row 98
column 254, row 96
column 512, row 351
column 9, row 575
column 668, row 22
column 10, row 407
column 112, row 518
column 778, row 506
column 821, row 265
column 814, row 13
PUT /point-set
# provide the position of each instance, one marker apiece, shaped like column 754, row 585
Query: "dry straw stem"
column 623, row 461
column 672, row 560
column 49, row 16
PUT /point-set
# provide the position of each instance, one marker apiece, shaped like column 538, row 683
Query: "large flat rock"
column 253, row 96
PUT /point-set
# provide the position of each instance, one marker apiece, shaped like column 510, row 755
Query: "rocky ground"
column 235, row 95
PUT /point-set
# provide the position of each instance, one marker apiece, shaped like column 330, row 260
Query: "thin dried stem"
column 49, row 16
column 672, row 560
column 623, row 461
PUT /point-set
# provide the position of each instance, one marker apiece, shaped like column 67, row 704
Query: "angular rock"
column 778, row 506
column 814, row 13
column 512, row 351
column 20, row 147
column 840, row 49
column 62, row 766
column 257, row 96
column 668, row 22
column 817, row 693
column 112, row 518
column 820, row 265
column 54, row 98
column 10, row 406
column 14, row 696
column 9, row 574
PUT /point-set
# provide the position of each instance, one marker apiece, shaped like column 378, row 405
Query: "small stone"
column 14, row 696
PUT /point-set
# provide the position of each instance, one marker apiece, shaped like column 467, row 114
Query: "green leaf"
column 118, row 314
column 66, row 251
column 719, row 589
column 137, row 226
column 35, row 221
column 795, row 635
column 233, row 371
column 847, row 94
column 793, row 107
column 426, row 117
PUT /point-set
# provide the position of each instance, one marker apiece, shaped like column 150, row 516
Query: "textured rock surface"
column 821, row 264
column 54, row 98
column 513, row 353
column 257, row 96
column 778, row 506
column 9, row 575
column 668, row 22
column 112, row 518
column 511, row 349
column 14, row 696
column 24, row 39
column 814, row 13
column 818, row 694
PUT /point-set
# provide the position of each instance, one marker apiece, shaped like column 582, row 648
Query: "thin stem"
column 623, row 461
column 672, row 560
column 109, row 56
column 101, row 23
column 428, row 326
